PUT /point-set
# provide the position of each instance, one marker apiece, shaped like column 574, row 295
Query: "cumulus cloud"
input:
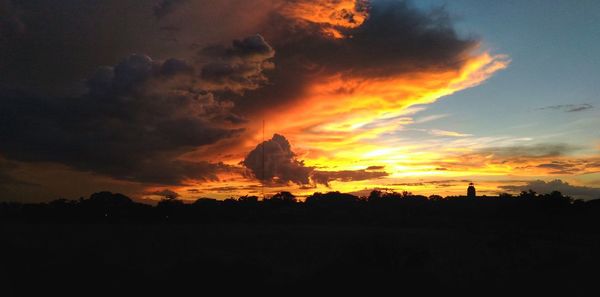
column 542, row 187
column 273, row 161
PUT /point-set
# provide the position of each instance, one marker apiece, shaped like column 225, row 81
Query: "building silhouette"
column 471, row 192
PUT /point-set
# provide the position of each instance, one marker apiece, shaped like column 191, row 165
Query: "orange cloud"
column 343, row 113
column 330, row 14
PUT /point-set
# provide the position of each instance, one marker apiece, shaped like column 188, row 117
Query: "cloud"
column 542, row 187
column 430, row 118
column 134, row 121
column 332, row 15
column 274, row 162
column 460, row 157
column 333, row 94
column 444, row 133
column 527, row 160
column 375, row 168
column 166, row 193
column 560, row 167
column 393, row 37
column 395, row 40
column 241, row 66
column 569, row 107
column 326, row 177
column 60, row 48
column 6, row 177
column 541, row 150
column 49, row 46
column 437, row 183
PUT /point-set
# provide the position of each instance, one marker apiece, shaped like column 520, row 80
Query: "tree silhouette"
column 282, row 198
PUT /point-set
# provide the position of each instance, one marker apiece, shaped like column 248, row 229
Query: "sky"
column 204, row 98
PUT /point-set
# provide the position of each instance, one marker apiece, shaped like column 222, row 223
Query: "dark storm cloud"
column 569, row 107
column 60, row 42
column 137, row 117
column 281, row 166
column 395, row 39
column 131, row 121
column 542, row 187
column 49, row 46
column 63, row 41
column 253, row 48
column 239, row 66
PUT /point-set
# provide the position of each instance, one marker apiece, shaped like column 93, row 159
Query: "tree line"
column 284, row 207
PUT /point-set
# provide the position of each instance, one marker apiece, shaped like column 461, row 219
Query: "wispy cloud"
column 438, row 132
column 569, row 107
column 430, row 118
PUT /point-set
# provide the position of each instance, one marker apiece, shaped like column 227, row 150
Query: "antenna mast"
column 262, row 180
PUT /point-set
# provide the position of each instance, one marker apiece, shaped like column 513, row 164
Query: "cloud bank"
column 136, row 118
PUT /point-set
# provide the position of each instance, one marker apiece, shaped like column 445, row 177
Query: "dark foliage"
column 284, row 207
column 109, row 245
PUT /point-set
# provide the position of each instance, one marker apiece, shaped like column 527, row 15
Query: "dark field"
column 176, row 259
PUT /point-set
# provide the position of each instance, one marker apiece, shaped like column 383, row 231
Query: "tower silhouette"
column 471, row 192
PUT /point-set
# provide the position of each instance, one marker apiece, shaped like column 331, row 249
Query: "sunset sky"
column 149, row 97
